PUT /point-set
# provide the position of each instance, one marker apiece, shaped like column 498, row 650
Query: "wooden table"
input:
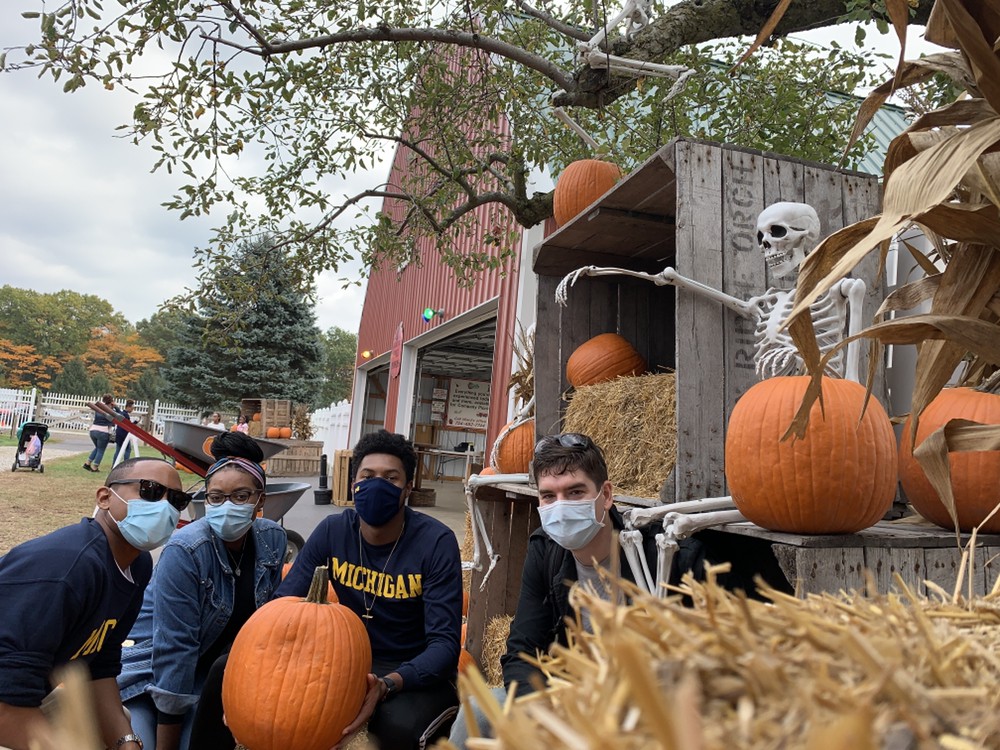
column 440, row 454
column 916, row 551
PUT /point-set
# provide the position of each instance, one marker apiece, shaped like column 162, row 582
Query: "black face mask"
column 376, row 500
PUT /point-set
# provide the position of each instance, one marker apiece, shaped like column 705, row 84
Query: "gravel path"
column 7, row 455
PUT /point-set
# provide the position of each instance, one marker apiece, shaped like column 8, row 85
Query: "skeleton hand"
column 569, row 280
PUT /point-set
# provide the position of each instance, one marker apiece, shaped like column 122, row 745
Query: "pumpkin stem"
column 317, row 589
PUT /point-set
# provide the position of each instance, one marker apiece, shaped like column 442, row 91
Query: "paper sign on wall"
column 468, row 404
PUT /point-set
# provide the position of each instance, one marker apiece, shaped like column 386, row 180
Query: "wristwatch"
column 390, row 685
column 125, row 739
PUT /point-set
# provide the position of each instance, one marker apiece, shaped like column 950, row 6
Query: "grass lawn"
column 32, row 504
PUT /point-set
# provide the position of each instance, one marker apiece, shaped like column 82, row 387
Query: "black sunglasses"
column 566, row 440
column 150, row 490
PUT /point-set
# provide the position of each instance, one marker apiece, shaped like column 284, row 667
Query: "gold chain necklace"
column 361, row 556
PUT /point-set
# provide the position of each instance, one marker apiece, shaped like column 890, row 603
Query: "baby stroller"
column 31, row 436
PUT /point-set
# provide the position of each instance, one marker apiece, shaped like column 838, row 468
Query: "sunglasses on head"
column 151, row 490
column 566, row 440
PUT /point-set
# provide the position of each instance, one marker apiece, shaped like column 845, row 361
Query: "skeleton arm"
column 854, row 291
column 666, row 276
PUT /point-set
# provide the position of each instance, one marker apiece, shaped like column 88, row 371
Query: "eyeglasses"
column 152, row 491
column 566, row 440
column 242, row 497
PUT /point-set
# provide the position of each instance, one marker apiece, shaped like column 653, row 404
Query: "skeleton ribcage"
column 774, row 351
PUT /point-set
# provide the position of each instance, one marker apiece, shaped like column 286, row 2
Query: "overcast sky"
column 80, row 210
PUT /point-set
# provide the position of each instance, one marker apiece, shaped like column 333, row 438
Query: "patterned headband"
column 251, row 467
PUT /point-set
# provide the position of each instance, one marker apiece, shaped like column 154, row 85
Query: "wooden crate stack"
column 273, row 413
column 299, row 459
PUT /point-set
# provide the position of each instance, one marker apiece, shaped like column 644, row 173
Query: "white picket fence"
column 61, row 411
column 332, row 426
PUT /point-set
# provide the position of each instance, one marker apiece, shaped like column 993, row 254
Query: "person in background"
column 211, row 576
column 400, row 571
column 72, row 596
column 215, row 421
column 100, row 435
column 242, row 425
column 121, row 434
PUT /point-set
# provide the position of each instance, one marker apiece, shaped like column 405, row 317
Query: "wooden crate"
column 299, row 459
column 692, row 205
column 273, row 413
column 341, row 485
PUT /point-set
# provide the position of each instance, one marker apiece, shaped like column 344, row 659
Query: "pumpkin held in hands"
column 840, row 478
column 296, row 675
column 603, row 358
column 975, row 475
column 579, row 185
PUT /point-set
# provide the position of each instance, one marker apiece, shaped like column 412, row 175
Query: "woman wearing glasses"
column 210, row 578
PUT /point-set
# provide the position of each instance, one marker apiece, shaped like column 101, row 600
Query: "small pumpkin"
column 233, row 428
column 465, row 608
column 273, row 432
column 838, row 479
column 296, row 675
column 465, row 661
column 256, row 417
column 602, row 358
column 487, row 471
column 517, row 449
column 285, row 432
column 975, row 475
column 579, row 185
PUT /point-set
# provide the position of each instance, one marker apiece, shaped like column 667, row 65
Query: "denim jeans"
column 100, row 439
column 144, row 716
column 460, row 733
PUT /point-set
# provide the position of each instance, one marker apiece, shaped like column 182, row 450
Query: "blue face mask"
column 231, row 520
column 147, row 524
column 376, row 500
column 570, row 523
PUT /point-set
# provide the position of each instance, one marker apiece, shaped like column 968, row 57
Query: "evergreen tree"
column 340, row 348
column 73, row 379
column 254, row 336
column 99, row 385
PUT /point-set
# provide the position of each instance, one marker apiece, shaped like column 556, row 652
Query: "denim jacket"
column 186, row 607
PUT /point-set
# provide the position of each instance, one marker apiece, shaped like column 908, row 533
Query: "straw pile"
column 634, row 422
column 830, row 671
column 495, row 646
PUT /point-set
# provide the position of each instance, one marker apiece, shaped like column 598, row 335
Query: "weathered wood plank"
column 480, row 604
column 700, row 359
column 547, row 357
column 991, row 567
column 882, row 534
column 884, row 562
column 832, row 569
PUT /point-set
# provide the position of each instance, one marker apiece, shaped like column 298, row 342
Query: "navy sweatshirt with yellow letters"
column 413, row 599
column 63, row 598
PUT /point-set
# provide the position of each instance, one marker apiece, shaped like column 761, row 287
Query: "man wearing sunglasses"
column 72, row 596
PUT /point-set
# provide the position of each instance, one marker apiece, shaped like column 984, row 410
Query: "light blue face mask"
column 570, row 523
column 147, row 525
column 231, row 520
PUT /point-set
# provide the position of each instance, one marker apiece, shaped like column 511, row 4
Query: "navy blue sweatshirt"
column 63, row 598
column 414, row 597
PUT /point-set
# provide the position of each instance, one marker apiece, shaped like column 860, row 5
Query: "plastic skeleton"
column 785, row 233
column 636, row 12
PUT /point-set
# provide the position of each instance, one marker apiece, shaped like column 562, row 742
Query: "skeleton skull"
column 785, row 233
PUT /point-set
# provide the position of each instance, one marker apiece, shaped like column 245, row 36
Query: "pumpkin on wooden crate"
column 579, row 185
column 517, row 449
column 838, row 479
column 284, row 432
column 297, row 672
column 975, row 475
column 273, row 432
column 256, row 417
column 603, row 358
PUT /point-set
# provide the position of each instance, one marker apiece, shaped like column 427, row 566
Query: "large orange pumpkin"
column 517, row 449
column 579, row 185
column 285, row 432
column 331, row 595
column 975, row 475
column 602, row 358
column 840, row 478
column 296, row 674
column 465, row 661
column 273, row 432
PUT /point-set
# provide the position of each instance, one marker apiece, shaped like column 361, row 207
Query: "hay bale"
column 831, row 671
column 634, row 420
column 495, row 646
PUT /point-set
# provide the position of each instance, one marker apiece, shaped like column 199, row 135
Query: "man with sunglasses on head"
column 72, row 596
column 578, row 517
